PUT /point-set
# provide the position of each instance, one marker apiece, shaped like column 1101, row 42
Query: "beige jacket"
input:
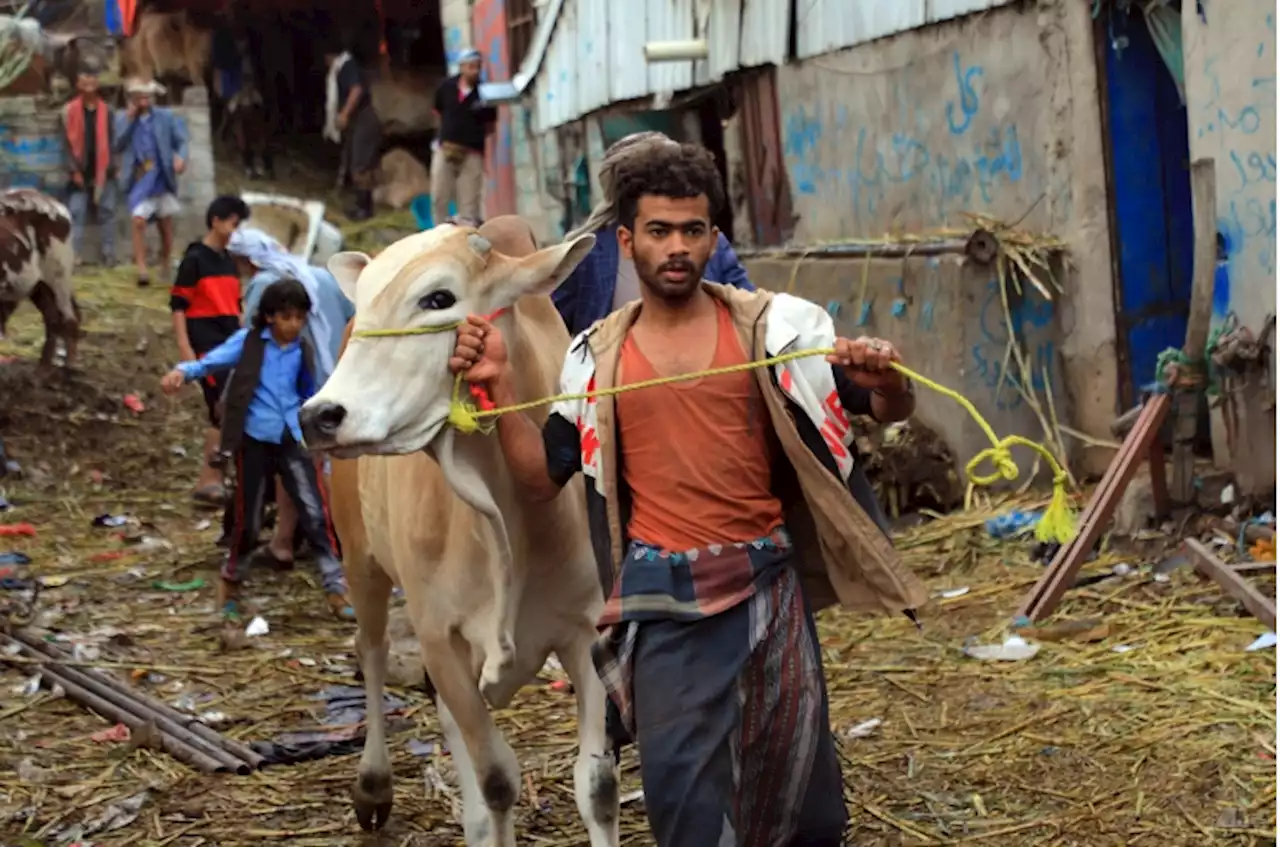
column 842, row 555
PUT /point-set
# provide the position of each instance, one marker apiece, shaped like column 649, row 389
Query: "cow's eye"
column 436, row 300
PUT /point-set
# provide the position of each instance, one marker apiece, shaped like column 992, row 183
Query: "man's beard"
column 670, row 290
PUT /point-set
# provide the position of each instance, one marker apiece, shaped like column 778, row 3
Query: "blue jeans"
column 80, row 204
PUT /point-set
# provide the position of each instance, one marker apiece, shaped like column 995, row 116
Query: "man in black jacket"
column 457, row 163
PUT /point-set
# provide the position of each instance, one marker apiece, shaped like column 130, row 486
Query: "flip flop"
column 264, row 556
column 210, row 495
column 340, row 608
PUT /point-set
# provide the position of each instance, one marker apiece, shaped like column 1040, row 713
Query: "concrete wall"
column 1231, row 108
column 31, row 156
column 916, row 303
column 994, row 113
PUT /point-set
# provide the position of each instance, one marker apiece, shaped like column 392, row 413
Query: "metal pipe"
column 237, row 749
column 128, row 702
column 180, row 750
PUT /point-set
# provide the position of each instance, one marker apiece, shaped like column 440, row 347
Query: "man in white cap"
column 154, row 147
column 457, row 161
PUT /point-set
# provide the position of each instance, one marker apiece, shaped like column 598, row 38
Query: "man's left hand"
column 179, row 165
column 866, row 361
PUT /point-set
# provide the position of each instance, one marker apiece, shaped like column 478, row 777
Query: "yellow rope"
column 1056, row 524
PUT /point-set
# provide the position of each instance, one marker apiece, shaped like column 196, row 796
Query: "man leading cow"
column 723, row 510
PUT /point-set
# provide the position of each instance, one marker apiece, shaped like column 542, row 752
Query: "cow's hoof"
column 372, row 795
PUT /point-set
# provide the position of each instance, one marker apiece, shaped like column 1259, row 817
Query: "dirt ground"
column 1157, row 731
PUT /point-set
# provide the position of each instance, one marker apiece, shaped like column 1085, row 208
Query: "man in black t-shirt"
column 205, row 301
column 457, row 162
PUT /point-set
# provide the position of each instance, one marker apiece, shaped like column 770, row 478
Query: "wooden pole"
column 1204, row 200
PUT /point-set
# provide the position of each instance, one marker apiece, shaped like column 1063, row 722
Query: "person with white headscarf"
column 266, row 261
column 605, row 279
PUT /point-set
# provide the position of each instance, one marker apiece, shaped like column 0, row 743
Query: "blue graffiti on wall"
column 968, row 97
column 967, row 170
column 1032, row 317
column 28, row 161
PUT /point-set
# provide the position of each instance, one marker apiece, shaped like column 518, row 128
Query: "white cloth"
column 162, row 206
column 267, row 254
column 331, row 106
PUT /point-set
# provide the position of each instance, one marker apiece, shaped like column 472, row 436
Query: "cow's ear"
column 346, row 268
column 537, row 273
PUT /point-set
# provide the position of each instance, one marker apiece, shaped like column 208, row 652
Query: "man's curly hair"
column 668, row 170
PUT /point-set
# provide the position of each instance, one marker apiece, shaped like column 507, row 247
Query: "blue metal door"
column 1151, row 185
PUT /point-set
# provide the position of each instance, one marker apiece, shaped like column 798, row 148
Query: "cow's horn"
column 479, row 243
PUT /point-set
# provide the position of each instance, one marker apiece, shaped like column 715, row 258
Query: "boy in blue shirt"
column 274, row 374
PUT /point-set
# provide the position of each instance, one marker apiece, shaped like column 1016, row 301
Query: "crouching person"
column 274, row 375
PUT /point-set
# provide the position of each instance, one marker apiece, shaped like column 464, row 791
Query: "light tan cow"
column 493, row 581
column 167, row 44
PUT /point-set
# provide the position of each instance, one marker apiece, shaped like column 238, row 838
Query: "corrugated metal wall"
column 667, row 20
column 766, row 25
column 596, row 53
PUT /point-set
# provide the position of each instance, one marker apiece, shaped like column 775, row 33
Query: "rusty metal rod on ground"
column 126, row 703
column 235, row 748
column 179, row 750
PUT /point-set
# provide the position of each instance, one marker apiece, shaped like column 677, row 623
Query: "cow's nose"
column 323, row 418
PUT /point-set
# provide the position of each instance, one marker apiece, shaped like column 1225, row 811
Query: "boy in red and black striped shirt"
column 205, row 301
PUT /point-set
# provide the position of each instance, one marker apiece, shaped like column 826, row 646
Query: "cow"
column 36, row 261
column 167, row 44
column 493, row 582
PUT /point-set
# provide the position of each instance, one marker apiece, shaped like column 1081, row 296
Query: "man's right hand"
column 77, row 179
column 131, row 111
column 481, row 352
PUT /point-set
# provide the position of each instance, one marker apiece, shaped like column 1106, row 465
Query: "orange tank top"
column 697, row 455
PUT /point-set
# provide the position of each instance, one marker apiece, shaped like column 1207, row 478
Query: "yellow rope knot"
column 1001, row 459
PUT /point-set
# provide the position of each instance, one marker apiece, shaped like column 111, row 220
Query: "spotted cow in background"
column 36, row 260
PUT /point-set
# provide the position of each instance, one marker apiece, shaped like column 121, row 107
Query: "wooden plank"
column 1255, row 448
column 1254, row 567
column 1261, row 607
column 1204, row 208
column 1061, row 573
column 1159, row 486
column 1204, row 203
column 1120, row 426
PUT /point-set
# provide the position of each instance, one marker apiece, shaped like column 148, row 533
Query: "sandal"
column 210, row 495
column 229, row 600
column 340, row 608
column 264, row 556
